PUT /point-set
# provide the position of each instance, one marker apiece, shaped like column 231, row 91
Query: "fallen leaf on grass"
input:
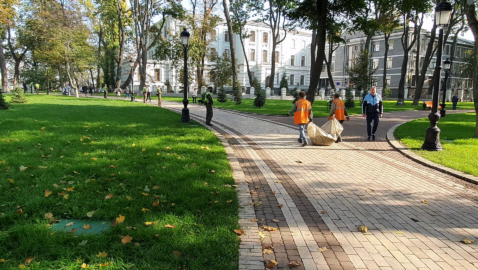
column 128, row 198
column 272, row 264
column 294, row 264
column 112, row 166
column 82, row 243
column 177, row 253
column 149, row 223
column 10, row 181
column 2, row 260
column 156, row 203
column 61, row 194
column 109, row 196
column 104, row 264
column 71, row 189
column 22, row 266
column 239, row 232
column 65, row 197
column 114, row 223
column 20, row 211
column 22, row 168
column 120, row 219
column 213, row 171
column 42, row 167
column 29, row 260
column 85, row 266
column 93, row 158
column 86, row 227
column 170, row 226
column 102, row 254
column 230, row 201
column 126, row 239
column 90, row 214
column 145, row 210
column 48, row 215
column 48, row 193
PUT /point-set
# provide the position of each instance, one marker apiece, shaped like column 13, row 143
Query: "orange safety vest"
column 301, row 115
column 339, row 109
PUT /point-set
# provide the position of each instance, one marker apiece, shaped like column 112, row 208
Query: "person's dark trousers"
column 148, row 96
column 194, row 100
column 339, row 138
column 208, row 114
column 375, row 118
column 454, row 106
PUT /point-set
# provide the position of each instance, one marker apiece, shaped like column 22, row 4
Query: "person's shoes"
column 368, row 138
column 209, row 125
column 373, row 137
column 300, row 140
column 339, row 139
column 305, row 143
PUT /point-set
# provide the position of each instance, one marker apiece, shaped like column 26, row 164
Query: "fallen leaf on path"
column 275, row 220
column 262, row 235
column 253, row 220
column 272, row 264
column 86, row 227
column 239, row 232
column 362, row 228
column 69, row 224
column 323, row 212
column 322, row 249
column 126, row 239
column 280, row 205
column 399, row 232
column 267, row 251
column 468, row 241
column 425, row 201
column 294, row 264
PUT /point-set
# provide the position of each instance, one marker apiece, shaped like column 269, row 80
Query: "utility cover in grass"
column 78, row 226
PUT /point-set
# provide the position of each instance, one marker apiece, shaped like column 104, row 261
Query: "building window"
column 265, row 38
column 376, row 47
column 389, row 80
column 390, row 45
column 447, row 50
column 276, row 57
column 389, row 62
column 375, row 63
column 291, row 80
column 252, row 37
column 374, row 81
column 264, row 56
column 226, row 36
column 252, row 55
column 302, row 80
column 302, row 61
column 157, row 75
column 292, row 60
column 293, row 44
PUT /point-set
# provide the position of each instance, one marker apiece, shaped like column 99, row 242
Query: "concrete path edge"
column 409, row 154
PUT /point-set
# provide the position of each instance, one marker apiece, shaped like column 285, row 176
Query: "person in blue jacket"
column 372, row 110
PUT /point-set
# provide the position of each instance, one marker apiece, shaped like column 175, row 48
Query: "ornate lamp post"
column 131, row 64
column 185, row 41
column 432, row 139
column 446, row 67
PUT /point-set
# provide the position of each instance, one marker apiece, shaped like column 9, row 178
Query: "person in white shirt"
column 148, row 91
column 194, row 94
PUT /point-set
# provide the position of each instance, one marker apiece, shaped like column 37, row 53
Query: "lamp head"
column 185, row 37
column 447, row 64
column 443, row 13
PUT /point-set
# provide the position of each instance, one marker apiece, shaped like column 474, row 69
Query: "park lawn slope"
column 282, row 107
column 76, row 158
column 460, row 149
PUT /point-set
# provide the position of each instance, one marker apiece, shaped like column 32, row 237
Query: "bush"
column 260, row 99
column 3, row 104
column 349, row 99
column 296, row 95
column 386, row 93
column 284, row 84
column 221, row 95
column 18, row 96
column 168, row 87
column 256, row 84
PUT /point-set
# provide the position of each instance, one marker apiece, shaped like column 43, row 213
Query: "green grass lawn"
column 460, row 149
column 106, row 158
column 282, row 107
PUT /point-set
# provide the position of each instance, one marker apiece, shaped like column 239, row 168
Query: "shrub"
column 260, row 99
column 168, row 87
column 221, row 95
column 18, row 96
column 3, row 104
column 349, row 99
column 256, row 84
column 284, row 84
column 296, row 95
column 386, row 93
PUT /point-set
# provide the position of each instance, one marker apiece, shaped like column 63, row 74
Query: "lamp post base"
column 185, row 116
column 132, row 98
column 432, row 138
column 443, row 110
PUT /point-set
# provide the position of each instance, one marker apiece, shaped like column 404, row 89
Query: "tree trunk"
column 70, row 80
column 249, row 75
column 231, row 43
column 273, row 63
column 92, row 78
column 328, row 63
column 321, row 39
column 98, row 69
column 3, row 68
column 420, row 81
column 470, row 11
column 122, row 39
column 313, row 47
column 385, row 61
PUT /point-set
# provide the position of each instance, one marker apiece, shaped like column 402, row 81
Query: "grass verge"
column 282, row 107
column 460, row 149
column 96, row 159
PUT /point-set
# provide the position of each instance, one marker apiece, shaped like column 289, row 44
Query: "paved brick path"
column 317, row 196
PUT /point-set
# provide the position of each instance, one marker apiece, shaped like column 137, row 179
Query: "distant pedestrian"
column 302, row 110
column 25, row 87
column 194, row 94
column 37, row 88
column 454, row 100
column 208, row 102
column 31, row 87
column 105, row 89
column 127, row 93
column 149, row 91
column 338, row 111
column 67, row 89
column 372, row 110
column 118, row 92
column 85, row 90
column 91, row 90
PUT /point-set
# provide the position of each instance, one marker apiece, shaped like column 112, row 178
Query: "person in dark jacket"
column 454, row 100
column 209, row 102
column 25, row 87
column 372, row 110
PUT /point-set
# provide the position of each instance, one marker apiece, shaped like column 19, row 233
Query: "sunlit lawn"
column 113, row 158
column 460, row 149
column 282, row 107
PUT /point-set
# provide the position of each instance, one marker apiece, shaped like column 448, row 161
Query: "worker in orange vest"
column 338, row 111
column 302, row 110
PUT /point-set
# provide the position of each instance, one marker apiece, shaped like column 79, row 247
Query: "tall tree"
column 232, row 46
column 360, row 72
column 334, row 40
column 7, row 16
column 471, row 16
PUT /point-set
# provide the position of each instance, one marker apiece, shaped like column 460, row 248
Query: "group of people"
column 372, row 111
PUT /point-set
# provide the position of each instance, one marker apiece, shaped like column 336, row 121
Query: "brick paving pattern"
column 417, row 217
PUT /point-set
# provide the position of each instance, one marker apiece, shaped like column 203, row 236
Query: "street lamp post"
column 185, row 41
column 446, row 67
column 131, row 64
column 432, row 139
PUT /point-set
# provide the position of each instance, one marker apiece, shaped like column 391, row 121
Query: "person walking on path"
column 302, row 110
column 91, row 90
column 149, row 91
column 454, row 100
column 372, row 110
column 127, row 93
column 105, row 89
column 208, row 102
column 194, row 94
column 338, row 111
column 160, row 100
column 37, row 88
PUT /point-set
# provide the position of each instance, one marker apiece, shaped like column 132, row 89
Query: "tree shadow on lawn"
column 141, row 155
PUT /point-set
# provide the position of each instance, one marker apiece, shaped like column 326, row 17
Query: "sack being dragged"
column 325, row 135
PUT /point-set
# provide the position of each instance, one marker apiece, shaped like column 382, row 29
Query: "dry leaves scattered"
column 239, row 232
column 271, row 264
column 126, row 239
